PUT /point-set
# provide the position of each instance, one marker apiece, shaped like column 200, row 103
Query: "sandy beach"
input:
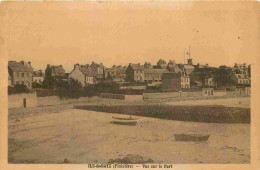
column 82, row 136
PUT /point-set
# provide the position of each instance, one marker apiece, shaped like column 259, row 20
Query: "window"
column 17, row 74
column 22, row 74
column 27, row 74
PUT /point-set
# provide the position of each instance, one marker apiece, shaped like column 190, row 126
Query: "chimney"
column 22, row 62
column 29, row 63
column 48, row 65
column 76, row 65
column 60, row 65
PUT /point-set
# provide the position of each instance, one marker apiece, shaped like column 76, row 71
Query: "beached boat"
column 124, row 121
column 191, row 137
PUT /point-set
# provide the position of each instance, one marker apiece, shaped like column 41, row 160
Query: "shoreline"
column 16, row 113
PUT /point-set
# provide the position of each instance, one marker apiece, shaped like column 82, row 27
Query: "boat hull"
column 124, row 121
column 120, row 122
column 191, row 137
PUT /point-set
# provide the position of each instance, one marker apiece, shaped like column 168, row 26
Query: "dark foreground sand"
column 83, row 136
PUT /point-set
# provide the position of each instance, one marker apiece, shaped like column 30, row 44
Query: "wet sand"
column 83, row 136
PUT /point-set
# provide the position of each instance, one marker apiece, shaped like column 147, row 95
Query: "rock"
column 132, row 159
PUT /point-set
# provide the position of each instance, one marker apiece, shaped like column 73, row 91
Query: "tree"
column 48, row 81
column 73, row 89
column 249, row 70
column 36, row 85
column 223, row 76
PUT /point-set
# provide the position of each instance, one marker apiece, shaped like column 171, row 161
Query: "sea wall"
column 17, row 100
column 210, row 114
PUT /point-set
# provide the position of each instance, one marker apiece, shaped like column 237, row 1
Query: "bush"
column 18, row 88
column 107, row 87
column 89, row 91
column 69, row 90
column 36, row 85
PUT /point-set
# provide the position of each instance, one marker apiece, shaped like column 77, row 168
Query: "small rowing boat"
column 191, row 137
column 124, row 121
column 122, row 118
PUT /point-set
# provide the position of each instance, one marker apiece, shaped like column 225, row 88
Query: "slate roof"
column 187, row 66
column 241, row 76
column 56, row 68
column 174, row 68
column 38, row 73
column 137, row 66
column 86, row 70
column 171, row 62
column 19, row 66
column 93, row 64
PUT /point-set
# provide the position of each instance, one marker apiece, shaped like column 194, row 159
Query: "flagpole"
column 184, row 56
column 189, row 51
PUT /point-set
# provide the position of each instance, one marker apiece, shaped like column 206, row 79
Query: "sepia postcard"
column 130, row 85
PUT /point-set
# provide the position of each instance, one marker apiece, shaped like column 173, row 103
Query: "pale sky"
column 65, row 33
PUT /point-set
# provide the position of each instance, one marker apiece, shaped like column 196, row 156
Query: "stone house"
column 55, row 71
column 171, row 82
column 185, row 80
column 241, row 79
column 147, row 65
column 186, row 68
column 174, row 82
column 82, row 74
column 20, row 73
column 135, row 73
column 38, row 76
column 154, row 75
column 171, row 63
column 161, row 64
column 174, row 69
column 116, row 73
column 98, row 71
column 243, row 68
